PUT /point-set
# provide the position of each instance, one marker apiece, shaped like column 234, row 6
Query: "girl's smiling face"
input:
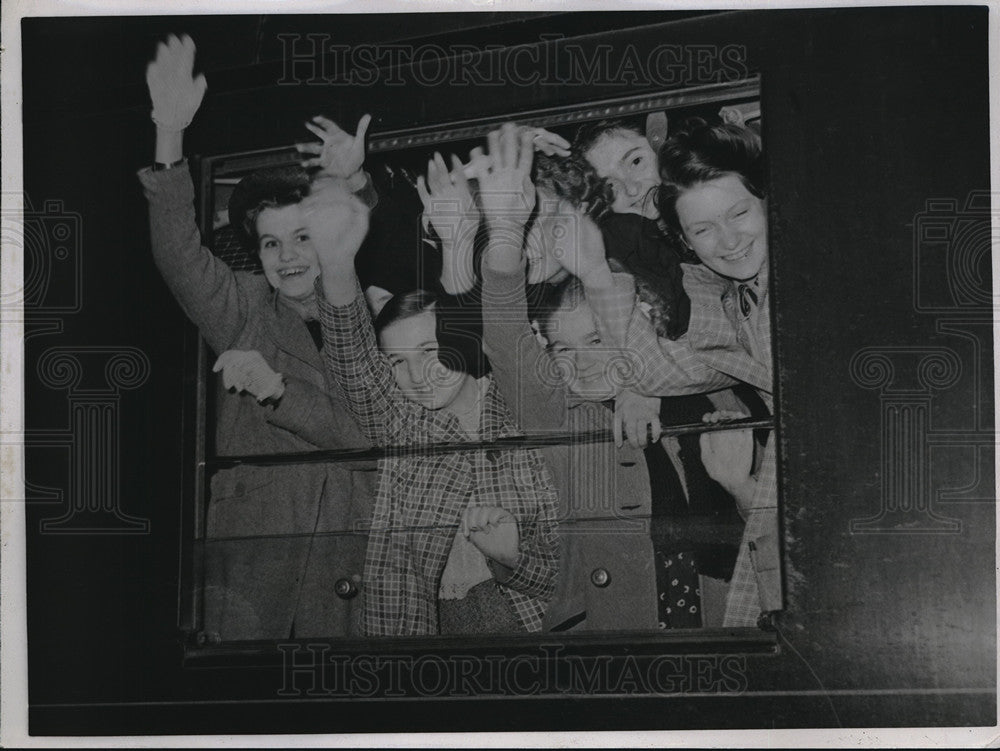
column 628, row 163
column 726, row 226
column 411, row 346
column 286, row 252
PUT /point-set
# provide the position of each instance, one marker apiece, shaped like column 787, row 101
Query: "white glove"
column 246, row 370
column 175, row 93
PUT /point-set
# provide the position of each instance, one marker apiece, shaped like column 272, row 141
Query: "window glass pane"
column 608, row 539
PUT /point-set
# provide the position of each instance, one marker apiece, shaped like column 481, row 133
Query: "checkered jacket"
column 721, row 342
column 713, row 354
column 419, row 500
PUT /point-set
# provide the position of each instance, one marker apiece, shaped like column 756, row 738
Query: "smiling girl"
column 712, row 198
column 266, row 575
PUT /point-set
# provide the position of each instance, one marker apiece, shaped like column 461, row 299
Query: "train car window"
column 532, row 524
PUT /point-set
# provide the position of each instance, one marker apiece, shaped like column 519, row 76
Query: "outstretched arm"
column 451, row 212
column 517, row 357
column 338, row 223
column 203, row 285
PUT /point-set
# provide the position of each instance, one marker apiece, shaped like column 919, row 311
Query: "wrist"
column 356, row 181
column 503, row 258
column 505, row 236
column 274, row 398
column 505, row 224
column 503, row 567
column 509, row 561
column 163, row 166
column 337, row 282
column 598, row 277
column 169, row 145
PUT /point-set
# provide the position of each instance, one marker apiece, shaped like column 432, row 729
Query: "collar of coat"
column 713, row 302
column 288, row 331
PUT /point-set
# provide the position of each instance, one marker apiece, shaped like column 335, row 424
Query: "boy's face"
column 286, row 252
column 627, row 161
column 411, row 347
column 588, row 367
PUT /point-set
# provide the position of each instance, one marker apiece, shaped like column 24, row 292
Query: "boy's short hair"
column 401, row 307
column 459, row 349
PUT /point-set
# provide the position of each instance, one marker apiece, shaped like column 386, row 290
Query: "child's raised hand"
column 446, row 196
column 339, row 154
column 493, row 530
column 504, row 175
column 336, row 220
column 175, row 92
column 451, row 210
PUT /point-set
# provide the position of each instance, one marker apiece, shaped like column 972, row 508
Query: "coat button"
column 600, row 577
column 239, row 490
column 345, row 589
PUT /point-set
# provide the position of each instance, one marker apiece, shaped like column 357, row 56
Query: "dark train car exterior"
column 876, row 124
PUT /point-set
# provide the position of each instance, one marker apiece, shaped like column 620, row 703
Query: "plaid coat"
column 722, row 342
column 419, row 500
column 714, row 353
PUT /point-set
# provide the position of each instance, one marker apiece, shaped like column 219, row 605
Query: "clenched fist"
column 494, row 531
